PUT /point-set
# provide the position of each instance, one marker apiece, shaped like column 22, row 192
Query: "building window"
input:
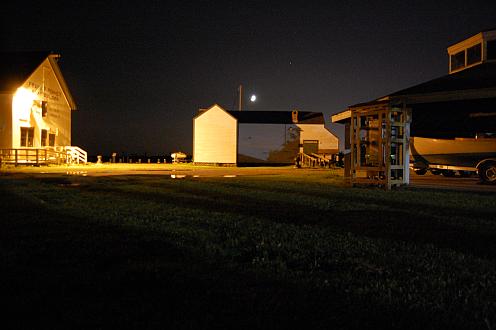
column 458, row 60
column 44, row 136
column 51, row 140
column 474, row 54
column 491, row 50
column 27, row 136
column 44, row 108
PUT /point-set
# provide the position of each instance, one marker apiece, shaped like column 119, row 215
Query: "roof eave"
column 52, row 58
column 341, row 117
column 445, row 96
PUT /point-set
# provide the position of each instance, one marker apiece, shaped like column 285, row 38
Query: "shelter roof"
column 478, row 82
column 479, row 77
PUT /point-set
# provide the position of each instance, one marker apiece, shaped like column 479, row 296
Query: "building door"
column 27, row 136
column 310, row 146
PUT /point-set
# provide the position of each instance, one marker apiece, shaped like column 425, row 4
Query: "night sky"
column 139, row 71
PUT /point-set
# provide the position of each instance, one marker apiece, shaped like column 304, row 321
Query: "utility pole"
column 240, row 94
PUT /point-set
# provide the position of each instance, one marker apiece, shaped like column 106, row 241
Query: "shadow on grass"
column 414, row 222
column 60, row 271
column 67, row 270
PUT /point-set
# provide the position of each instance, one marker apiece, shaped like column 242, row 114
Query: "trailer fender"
column 484, row 162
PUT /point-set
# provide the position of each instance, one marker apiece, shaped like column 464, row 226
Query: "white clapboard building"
column 259, row 137
column 35, row 110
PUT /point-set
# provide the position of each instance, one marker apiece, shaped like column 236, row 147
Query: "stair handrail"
column 76, row 155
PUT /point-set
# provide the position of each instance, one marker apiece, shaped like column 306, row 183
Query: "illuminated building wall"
column 259, row 137
column 214, row 137
column 5, row 120
column 37, row 112
column 268, row 143
column 328, row 143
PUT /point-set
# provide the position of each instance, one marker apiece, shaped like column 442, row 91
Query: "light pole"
column 240, row 93
column 253, row 98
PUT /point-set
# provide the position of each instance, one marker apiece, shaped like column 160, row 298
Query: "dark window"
column 474, row 54
column 44, row 136
column 491, row 50
column 27, row 136
column 44, row 108
column 458, row 60
column 51, row 140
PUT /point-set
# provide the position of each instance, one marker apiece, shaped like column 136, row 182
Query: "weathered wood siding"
column 214, row 137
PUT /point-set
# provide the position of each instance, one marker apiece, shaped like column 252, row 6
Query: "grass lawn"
column 246, row 252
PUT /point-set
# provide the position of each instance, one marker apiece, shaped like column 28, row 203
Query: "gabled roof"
column 201, row 111
column 277, row 117
column 16, row 67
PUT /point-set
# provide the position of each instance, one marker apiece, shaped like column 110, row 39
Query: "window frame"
column 468, row 53
column 44, row 137
column 27, row 137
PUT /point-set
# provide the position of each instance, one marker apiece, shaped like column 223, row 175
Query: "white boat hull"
column 463, row 152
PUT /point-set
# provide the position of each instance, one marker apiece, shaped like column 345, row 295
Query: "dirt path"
column 174, row 170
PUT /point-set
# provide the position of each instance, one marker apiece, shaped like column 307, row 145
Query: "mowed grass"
column 271, row 252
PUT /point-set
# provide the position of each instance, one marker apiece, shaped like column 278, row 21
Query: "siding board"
column 215, row 135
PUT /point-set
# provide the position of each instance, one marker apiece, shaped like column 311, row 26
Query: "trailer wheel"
column 487, row 172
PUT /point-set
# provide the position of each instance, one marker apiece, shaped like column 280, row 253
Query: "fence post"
column 15, row 156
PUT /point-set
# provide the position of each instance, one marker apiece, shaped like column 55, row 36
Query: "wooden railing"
column 76, row 155
column 32, row 156
column 314, row 160
column 43, row 156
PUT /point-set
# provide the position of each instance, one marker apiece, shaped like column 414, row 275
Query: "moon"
column 253, row 98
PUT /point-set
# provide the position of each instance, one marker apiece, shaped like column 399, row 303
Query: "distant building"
column 35, row 104
column 259, row 137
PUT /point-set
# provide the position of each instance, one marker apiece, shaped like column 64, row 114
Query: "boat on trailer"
column 449, row 156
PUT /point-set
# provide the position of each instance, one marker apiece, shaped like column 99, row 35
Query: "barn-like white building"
column 35, row 109
column 259, row 137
